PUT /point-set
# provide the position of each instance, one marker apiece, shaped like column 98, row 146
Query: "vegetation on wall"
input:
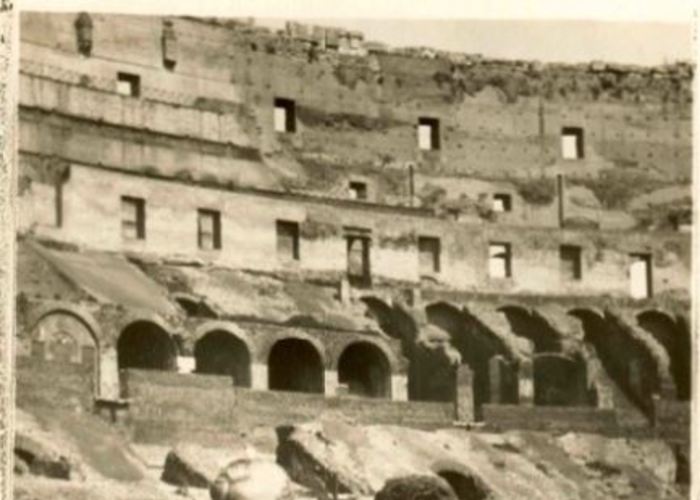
column 615, row 187
column 538, row 191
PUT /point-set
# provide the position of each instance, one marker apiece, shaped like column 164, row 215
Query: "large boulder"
column 252, row 479
column 416, row 487
column 40, row 459
column 194, row 466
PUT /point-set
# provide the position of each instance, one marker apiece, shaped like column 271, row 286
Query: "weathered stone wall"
column 498, row 119
column 91, row 208
column 169, row 407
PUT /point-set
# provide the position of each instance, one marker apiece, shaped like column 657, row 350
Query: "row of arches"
column 564, row 371
column 293, row 364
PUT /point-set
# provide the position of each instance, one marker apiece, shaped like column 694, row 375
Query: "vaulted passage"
column 295, row 365
column 221, row 353
column 625, row 359
column 146, row 345
column 366, row 371
column 559, row 380
column 532, row 327
column 676, row 340
column 465, row 487
column 476, row 345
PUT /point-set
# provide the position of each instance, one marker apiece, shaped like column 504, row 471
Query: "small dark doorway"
column 221, row 353
column 146, row 345
column 366, row 371
column 295, row 365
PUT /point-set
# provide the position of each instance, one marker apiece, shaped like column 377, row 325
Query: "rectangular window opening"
column 357, row 190
column 640, row 275
column 285, row 115
column 287, row 240
column 500, row 260
column 209, row 229
column 358, row 248
column 429, row 255
column 502, row 202
column 128, row 84
column 572, row 143
column 570, row 262
column 133, row 218
column 428, row 133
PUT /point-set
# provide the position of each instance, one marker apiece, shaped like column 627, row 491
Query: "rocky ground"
column 78, row 456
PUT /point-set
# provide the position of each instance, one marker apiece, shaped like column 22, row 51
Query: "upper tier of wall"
column 498, row 119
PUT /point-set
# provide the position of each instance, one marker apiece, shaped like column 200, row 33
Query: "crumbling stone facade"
column 306, row 211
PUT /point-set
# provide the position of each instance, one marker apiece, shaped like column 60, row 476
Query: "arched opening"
column 559, row 380
column 676, row 341
column 366, row 370
column 145, row 345
column 295, row 365
column 477, row 345
column 625, row 359
column 532, row 327
column 221, row 353
column 464, row 487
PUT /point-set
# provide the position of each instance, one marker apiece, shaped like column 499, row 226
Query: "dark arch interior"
column 626, row 361
column 477, row 345
column 295, row 365
column 221, row 353
column 145, row 345
column 676, row 341
column 465, row 487
column 533, row 327
column 559, row 380
column 366, row 371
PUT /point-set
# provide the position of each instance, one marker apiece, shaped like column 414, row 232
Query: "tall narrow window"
column 128, row 84
column 572, row 143
column 570, row 262
column 429, row 255
column 209, row 229
column 133, row 218
column 500, row 260
column 640, row 275
column 287, row 240
column 428, row 133
column 285, row 115
column 359, row 259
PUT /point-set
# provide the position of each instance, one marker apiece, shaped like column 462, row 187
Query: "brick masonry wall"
column 550, row 419
column 167, row 407
column 91, row 204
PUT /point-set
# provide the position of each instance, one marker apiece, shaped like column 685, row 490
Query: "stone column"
column 526, row 385
column 331, row 383
column 258, row 376
column 399, row 387
column 495, row 379
column 464, row 394
column 185, row 364
column 108, row 375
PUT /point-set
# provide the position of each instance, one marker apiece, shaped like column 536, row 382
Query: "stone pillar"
column 108, row 375
column 344, row 291
column 185, row 364
column 496, row 379
column 464, row 394
column 331, row 383
column 399, row 387
column 258, row 376
column 526, row 385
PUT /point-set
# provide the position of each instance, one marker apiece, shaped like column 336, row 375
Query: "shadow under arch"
column 626, row 360
column 478, row 346
column 676, row 341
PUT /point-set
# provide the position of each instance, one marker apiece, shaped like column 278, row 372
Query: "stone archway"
column 220, row 352
column 145, row 345
column 295, row 365
column 366, row 370
column 676, row 341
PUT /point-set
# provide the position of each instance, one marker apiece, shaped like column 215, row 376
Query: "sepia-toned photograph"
column 266, row 258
